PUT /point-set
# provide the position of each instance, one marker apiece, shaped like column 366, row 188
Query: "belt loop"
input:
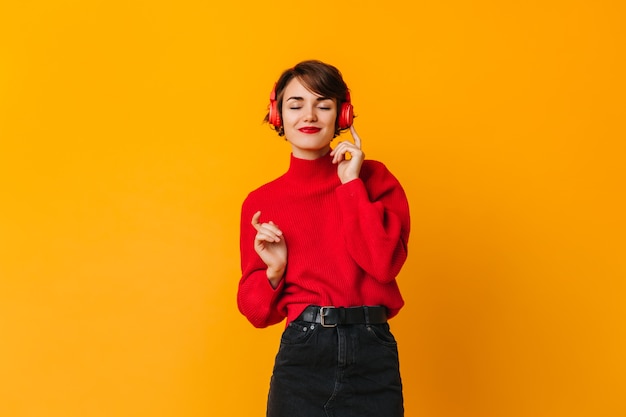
column 367, row 315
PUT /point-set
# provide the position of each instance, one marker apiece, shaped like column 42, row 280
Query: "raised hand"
column 270, row 245
column 348, row 168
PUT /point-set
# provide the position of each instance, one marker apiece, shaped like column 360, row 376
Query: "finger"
column 339, row 154
column 277, row 229
column 342, row 145
column 349, row 147
column 255, row 220
column 265, row 236
column 270, row 228
column 357, row 138
column 344, row 151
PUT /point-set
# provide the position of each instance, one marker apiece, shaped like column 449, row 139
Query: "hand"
column 348, row 169
column 269, row 243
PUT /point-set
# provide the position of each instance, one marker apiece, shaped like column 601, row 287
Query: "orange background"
column 130, row 133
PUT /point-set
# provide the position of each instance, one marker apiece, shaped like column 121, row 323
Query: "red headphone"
column 346, row 114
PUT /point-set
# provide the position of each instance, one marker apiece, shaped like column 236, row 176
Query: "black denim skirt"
column 343, row 371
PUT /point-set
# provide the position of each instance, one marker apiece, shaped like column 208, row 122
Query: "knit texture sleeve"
column 256, row 298
column 376, row 221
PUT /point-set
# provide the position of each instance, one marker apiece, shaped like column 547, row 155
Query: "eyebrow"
column 300, row 98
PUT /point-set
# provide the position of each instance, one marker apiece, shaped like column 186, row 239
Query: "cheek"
column 286, row 120
column 288, row 117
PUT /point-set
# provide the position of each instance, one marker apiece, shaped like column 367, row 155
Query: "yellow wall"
column 131, row 131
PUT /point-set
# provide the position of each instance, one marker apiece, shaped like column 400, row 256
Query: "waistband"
column 333, row 316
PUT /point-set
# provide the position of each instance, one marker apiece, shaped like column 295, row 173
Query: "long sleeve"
column 376, row 222
column 256, row 298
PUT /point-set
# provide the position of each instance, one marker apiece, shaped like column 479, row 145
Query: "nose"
column 310, row 115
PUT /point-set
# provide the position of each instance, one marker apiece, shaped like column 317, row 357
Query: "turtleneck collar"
column 312, row 169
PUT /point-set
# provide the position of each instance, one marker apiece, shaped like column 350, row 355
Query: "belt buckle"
column 323, row 310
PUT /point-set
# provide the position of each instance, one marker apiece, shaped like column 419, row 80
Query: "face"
column 308, row 120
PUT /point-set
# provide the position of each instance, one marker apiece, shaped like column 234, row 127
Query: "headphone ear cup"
column 346, row 115
column 274, row 116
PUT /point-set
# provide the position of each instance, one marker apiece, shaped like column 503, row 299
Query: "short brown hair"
column 320, row 78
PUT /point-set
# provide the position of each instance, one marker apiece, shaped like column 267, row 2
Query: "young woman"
column 321, row 246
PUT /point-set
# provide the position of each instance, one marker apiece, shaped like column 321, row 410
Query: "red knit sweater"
column 346, row 243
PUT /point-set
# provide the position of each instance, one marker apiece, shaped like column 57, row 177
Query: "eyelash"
column 298, row 108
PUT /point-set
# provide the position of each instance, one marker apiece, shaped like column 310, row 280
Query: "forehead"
column 295, row 88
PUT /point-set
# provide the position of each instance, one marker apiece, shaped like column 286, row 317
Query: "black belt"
column 332, row 316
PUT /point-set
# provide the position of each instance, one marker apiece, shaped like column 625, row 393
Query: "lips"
column 309, row 129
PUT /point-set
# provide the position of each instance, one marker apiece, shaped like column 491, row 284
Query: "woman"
column 321, row 246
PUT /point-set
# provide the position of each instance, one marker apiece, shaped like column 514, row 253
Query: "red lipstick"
column 309, row 129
